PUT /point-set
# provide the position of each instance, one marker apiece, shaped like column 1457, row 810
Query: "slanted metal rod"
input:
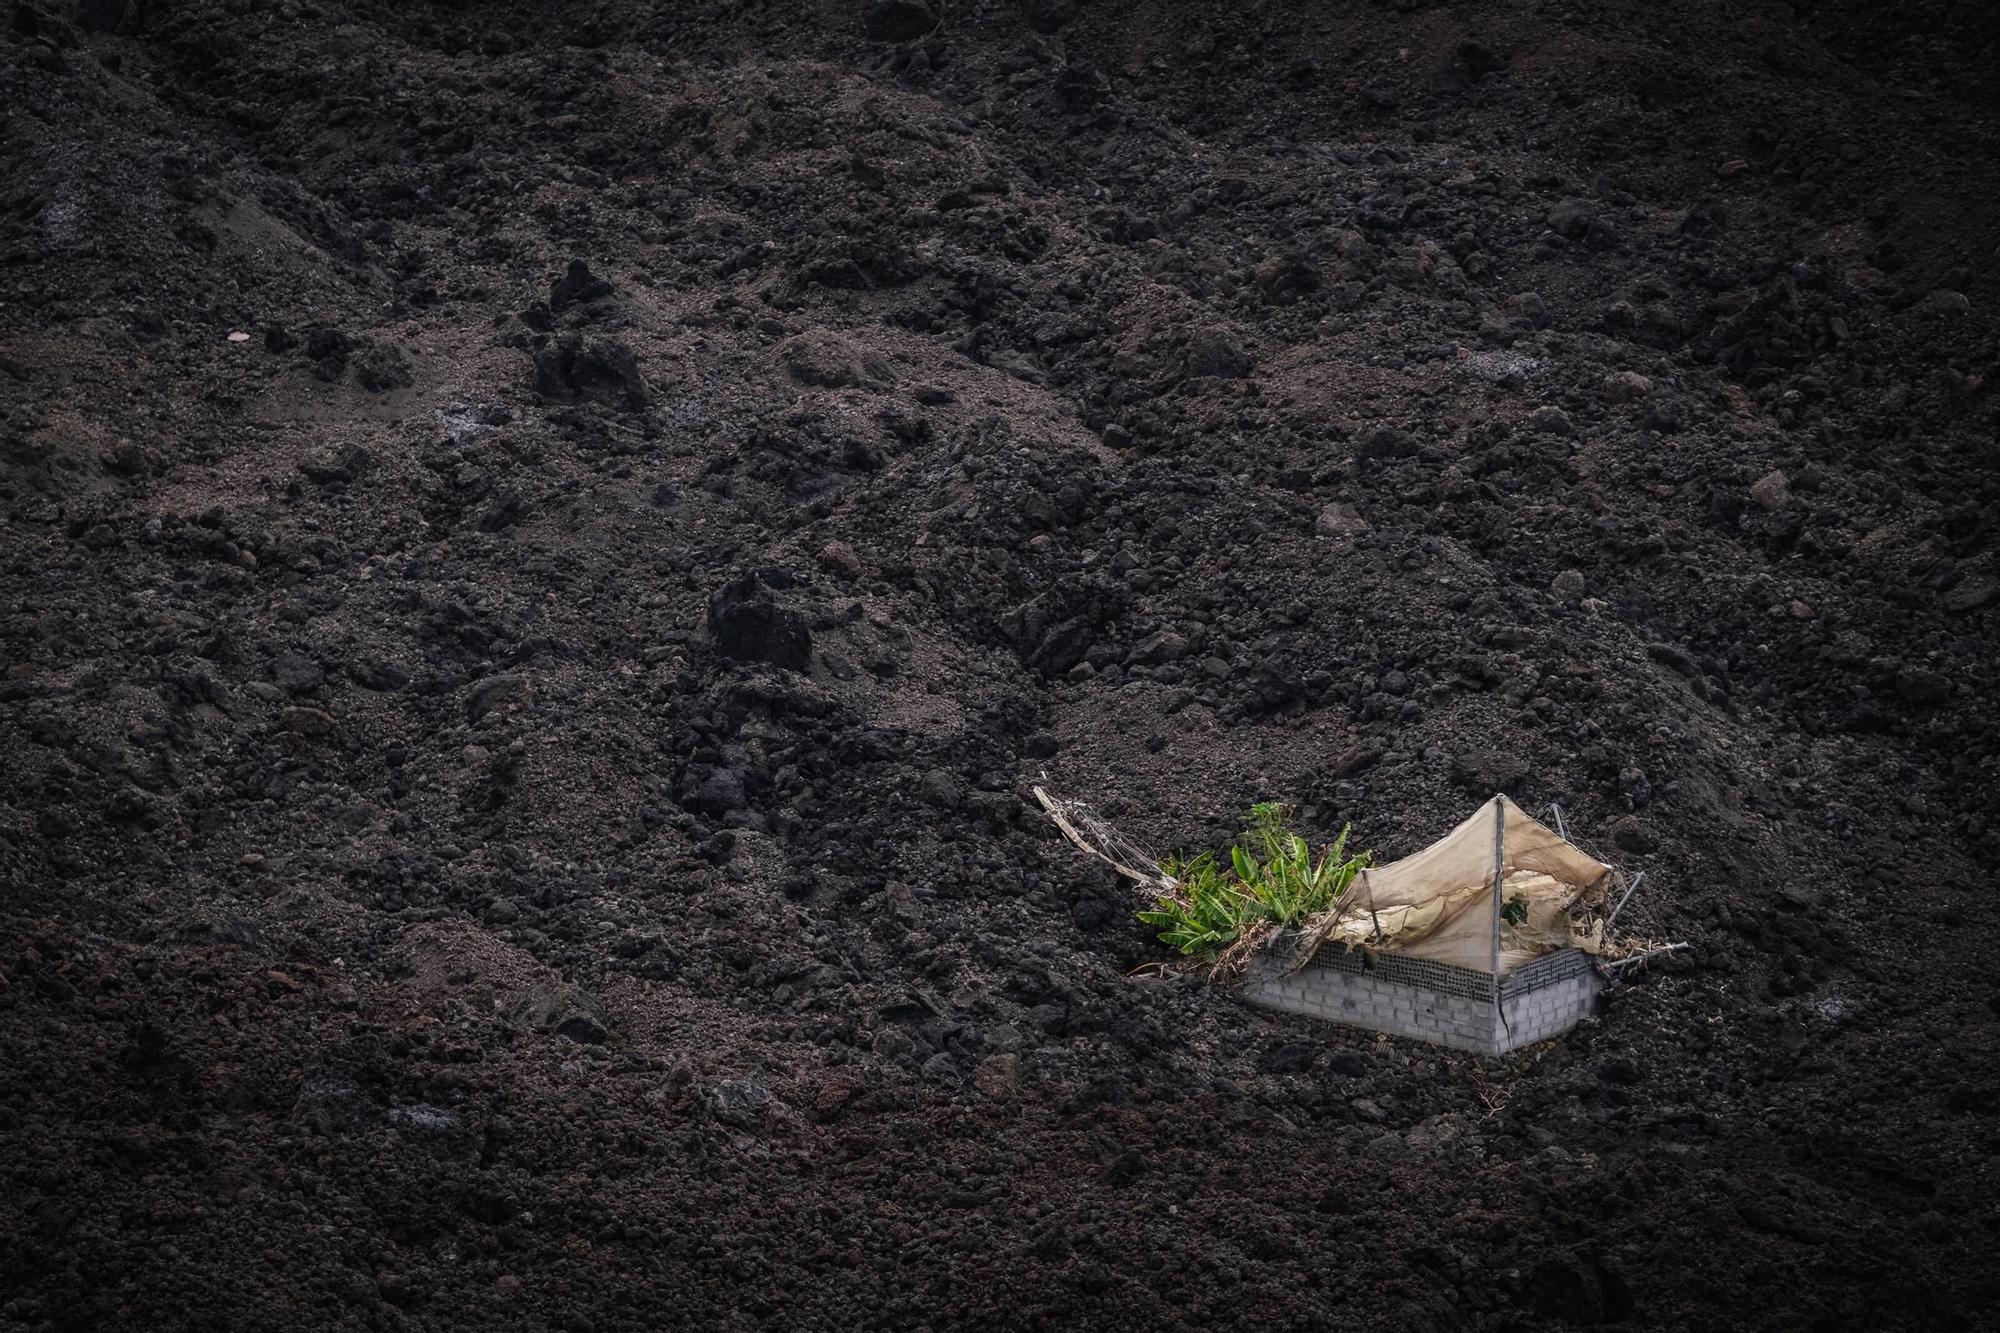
column 1629, row 889
column 1557, row 811
column 1373, row 915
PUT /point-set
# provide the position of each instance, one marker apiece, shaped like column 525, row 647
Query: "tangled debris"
column 1500, row 889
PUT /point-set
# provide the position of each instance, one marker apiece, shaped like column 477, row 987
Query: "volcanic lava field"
column 546, row 545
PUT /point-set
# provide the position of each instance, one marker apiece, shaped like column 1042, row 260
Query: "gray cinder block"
column 1433, row 1002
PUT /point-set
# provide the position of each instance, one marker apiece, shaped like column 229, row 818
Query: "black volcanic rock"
column 897, row 20
column 438, row 889
column 748, row 625
column 576, row 286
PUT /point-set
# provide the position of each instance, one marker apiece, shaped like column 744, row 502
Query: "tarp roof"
column 1440, row 903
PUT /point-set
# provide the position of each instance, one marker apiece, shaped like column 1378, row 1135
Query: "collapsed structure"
column 1497, row 892
column 1495, row 936
column 1482, row 941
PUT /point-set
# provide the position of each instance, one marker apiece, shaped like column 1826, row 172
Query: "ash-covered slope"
column 515, row 767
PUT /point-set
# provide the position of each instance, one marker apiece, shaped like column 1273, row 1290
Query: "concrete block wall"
column 1408, row 1008
column 1549, row 1011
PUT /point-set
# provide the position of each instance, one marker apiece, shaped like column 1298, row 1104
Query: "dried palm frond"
column 1090, row 834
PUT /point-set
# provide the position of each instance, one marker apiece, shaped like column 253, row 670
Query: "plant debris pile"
column 1274, row 881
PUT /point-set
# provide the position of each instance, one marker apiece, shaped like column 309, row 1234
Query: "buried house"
column 1483, row 941
column 1492, row 938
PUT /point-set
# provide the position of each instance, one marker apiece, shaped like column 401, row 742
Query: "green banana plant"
column 1210, row 908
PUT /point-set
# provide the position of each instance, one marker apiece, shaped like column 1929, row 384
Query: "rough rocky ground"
column 514, row 769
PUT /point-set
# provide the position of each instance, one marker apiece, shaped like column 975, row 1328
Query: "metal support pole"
column 1557, row 811
column 1629, row 888
column 1499, row 876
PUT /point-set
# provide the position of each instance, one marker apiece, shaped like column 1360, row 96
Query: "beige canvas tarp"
column 1439, row 903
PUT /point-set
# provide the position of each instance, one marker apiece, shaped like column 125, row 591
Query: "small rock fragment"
column 1339, row 520
column 998, row 1076
column 508, row 691
column 1211, row 353
column 940, row 789
column 1160, row 649
column 840, row 558
column 295, row 673
column 1625, row 386
column 825, row 360
column 380, row 369
column 1633, row 836
column 1772, row 491
column 305, row 721
column 1127, row 1167
column 1550, row 421
column 1574, row 218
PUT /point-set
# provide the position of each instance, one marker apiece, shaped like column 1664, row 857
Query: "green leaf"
column 1246, row 865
